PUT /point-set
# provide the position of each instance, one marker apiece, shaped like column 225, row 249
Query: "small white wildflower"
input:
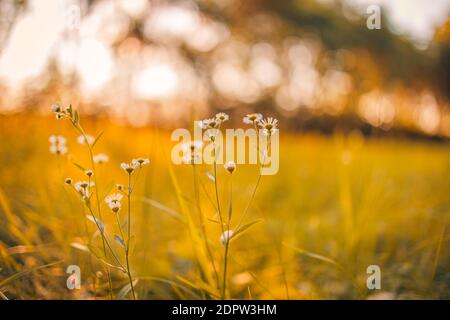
column 101, row 158
column 113, row 201
column 115, row 206
column 129, row 167
column 57, row 149
column 83, row 185
column 230, row 166
column 222, row 117
column 226, row 237
column 57, row 144
column 211, row 134
column 53, row 139
column 140, row 162
column 114, row 197
column 86, row 140
column 269, row 125
column 252, row 118
column 89, row 172
column 56, row 107
column 83, row 188
column 212, row 123
column 59, row 112
column 59, row 116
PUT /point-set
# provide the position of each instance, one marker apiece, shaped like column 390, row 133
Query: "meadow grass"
column 337, row 205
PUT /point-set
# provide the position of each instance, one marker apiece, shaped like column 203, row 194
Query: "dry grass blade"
column 314, row 256
column 164, row 208
column 25, row 272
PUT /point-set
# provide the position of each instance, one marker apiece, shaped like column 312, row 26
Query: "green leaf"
column 120, row 241
column 246, row 226
column 132, row 245
column 97, row 222
column 96, row 139
column 76, row 118
column 126, row 289
column 314, row 255
column 79, row 166
column 210, row 177
column 163, row 208
column 214, row 220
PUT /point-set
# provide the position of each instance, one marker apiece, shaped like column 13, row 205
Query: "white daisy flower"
column 83, row 185
column 83, row 188
column 101, row 158
column 222, row 117
column 211, row 134
column 88, row 140
column 59, row 116
column 269, row 125
column 140, row 162
column 56, row 107
column 230, row 166
column 129, row 167
column 113, row 201
column 58, row 149
column 226, row 237
column 252, row 118
column 57, row 144
column 212, row 123
column 54, row 139
column 114, row 197
column 115, row 206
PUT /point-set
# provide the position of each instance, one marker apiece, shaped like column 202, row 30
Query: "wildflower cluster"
column 264, row 126
column 57, row 145
column 134, row 164
column 87, row 190
column 268, row 125
column 62, row 113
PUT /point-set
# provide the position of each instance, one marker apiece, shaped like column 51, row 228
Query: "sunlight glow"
column 156, row 81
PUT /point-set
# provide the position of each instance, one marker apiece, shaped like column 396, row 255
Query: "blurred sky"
column 35, row 35
column 100, row 64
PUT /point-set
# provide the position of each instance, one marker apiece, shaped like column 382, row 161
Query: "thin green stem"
column 202, row 222
column 225, row 265
column 104, row 241
column 217, row 194
column 227, row 243
column 100, row 228
column 127, row 250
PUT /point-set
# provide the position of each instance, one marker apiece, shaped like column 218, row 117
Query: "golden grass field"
column 337, row 205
